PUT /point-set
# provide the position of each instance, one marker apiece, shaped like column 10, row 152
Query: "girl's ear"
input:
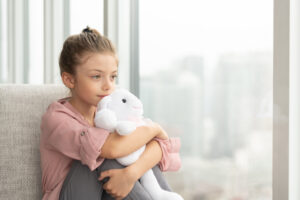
column 68, row 80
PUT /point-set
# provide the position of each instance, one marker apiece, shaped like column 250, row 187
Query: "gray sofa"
column 21, row 108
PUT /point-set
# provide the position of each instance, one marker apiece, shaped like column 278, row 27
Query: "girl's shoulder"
column 60, row 105
column 59, row 111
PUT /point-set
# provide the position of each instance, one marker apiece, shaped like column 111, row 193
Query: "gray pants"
column 82, row 184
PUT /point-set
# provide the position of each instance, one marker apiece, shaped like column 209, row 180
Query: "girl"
column 77, row 159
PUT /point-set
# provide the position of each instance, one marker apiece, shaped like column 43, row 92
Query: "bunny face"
column 125, row 105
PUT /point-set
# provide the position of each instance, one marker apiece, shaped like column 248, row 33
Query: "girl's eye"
column 96, row 77
column 114, row 76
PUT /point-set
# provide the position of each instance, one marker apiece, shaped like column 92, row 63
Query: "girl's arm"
column 117, row 146
column 150, row 157
column 122, row 180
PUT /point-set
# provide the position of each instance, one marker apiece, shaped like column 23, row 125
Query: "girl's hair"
column 75, row 46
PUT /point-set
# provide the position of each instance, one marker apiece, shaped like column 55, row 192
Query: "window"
column 89, row 13
column 32, row 34
column 206, row 76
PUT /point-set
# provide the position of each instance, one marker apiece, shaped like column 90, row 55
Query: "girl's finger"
column 106, row 189
column 104, row 174
column 111, row 194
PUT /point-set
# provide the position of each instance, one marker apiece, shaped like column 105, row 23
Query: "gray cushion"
column 21, row 108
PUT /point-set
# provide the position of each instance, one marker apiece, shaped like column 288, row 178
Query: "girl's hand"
column 161, row 133
column 120, row 183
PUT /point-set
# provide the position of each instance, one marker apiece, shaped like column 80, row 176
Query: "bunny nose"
column 137, row 107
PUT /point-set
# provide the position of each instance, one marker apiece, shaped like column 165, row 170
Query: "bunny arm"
column 131, row 158
column 125, row 127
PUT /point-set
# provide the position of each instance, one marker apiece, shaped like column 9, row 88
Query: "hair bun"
column 87, row 30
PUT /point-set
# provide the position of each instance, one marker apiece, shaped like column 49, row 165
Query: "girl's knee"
column 109, row 164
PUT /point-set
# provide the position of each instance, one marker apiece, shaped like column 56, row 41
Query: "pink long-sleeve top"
column 66, row 136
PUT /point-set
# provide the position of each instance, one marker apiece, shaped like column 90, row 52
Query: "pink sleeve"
column 69, row 137
column 170, row 149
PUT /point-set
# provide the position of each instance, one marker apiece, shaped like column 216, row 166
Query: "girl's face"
column 95, row 78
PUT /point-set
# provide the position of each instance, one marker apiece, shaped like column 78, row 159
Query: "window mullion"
column 281, row 100
column 294, row 147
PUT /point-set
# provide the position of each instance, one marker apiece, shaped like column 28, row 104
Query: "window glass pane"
column 206, row 77
column 86, row 13
column 3, row 42
column 36, row 42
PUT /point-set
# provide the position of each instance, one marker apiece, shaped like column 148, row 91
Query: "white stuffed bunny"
column 121, row 111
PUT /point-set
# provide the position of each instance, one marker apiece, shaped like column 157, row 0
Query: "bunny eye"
column 124, row 100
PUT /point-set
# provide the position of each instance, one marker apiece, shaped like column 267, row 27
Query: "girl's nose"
column 107, row 84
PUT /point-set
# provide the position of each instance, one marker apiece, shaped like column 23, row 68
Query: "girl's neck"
column 87, row 111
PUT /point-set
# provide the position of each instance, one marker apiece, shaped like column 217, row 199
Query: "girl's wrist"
column 132, row 173
column 162, row 134
column 154, row 127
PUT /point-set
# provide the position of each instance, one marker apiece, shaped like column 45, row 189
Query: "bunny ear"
column 104, row 103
